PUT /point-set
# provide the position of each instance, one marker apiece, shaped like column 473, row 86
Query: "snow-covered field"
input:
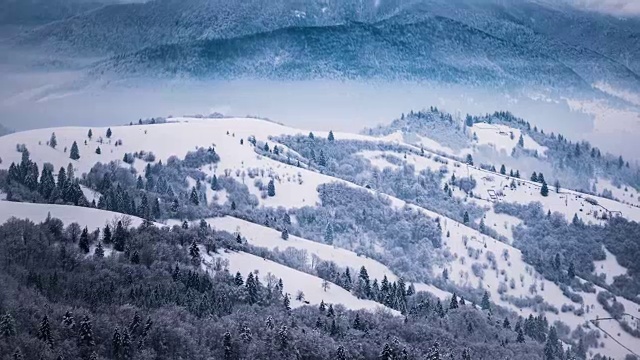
column 503, row 138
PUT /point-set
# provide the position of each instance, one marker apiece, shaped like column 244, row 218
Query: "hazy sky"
column 617, row 7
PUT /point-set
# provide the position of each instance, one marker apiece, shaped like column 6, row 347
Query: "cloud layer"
column 616, row 7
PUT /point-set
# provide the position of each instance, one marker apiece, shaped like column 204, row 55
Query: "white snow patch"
column 609, row 267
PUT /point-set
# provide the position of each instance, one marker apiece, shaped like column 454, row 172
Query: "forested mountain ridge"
column 366, row 222
column 496, row 43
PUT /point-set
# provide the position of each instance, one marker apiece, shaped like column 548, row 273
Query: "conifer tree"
column 84, row 240
column 485, row 304
column 271, row 188
column 287, row 302
column 53, row 141
column 98, row 150
column 85, row 333
column 99, row 251
column 434, row 352
column 7, row 325
column 330, row 137
column 44, row 332
column 214, row 183
column 194, row 198
column 357, row 323
column 285, row 234
column 521, row 141
column 503, row 170
column 106, row 234
column 90, row 134
column 238, row 279
column 283, row 338
column 544, row 190
column 341, row 353
column 135, row 257
column 328, row 234
column 454, row 302
column 116, row 343
column 119, row 238
column 520, row 338
column 245, row 334
column 387, row 353
column 194, row 251
column 465, row 218
column 109, row 133
column 74, row 154
column 439, row 309
column 534, row 177
column 227, row 346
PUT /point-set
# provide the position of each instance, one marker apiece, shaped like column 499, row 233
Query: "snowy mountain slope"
column 470, row 258
column 261, row 236
column 89, row 217
column 294, row 281
column 503, row 138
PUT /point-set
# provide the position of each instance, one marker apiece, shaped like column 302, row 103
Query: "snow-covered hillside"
column 89, row 217
column 469, row 258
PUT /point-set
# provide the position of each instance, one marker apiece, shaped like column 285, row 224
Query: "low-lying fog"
column 31, row 100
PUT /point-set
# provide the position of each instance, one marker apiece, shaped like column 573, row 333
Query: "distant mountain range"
column 499, row 42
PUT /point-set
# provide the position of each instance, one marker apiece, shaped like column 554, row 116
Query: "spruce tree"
column 285, row 234
column 119, row 238
column 506, row 324
column 544, row 190
column 534, row 177
column 227, row 346
column 116, row 343
column 238, row 281
column 485, row 304
column 214, row 183
column 90, row 134
column 287, row 302
column 331, row 137
column 194, row 251
column 454, row 302
column 7, row 326
column 99, row 251
column 503, row 170
column 135, row 257
column 106, row 234
column 44, row 332
column 85, row 333
column 53, row 142
column 520, row 338
column 74, row 154
column 283, row 338
column 328, row 234
column 357, row 323
column 98, row 150
column 341, row 353
column 465, row 218
column 194, row 198
column 434, row 352
column 84, row 240
column 271, row 188
column 109, row 133
column 521, row 141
